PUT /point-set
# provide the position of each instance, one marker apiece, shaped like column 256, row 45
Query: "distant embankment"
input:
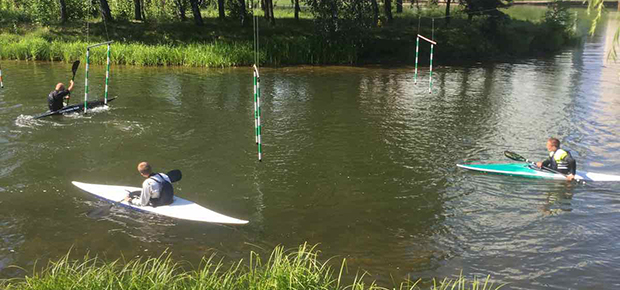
column 609, row 3
column 580, row 3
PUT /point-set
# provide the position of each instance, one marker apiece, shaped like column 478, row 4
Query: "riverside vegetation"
column 347, row 34
column 299, row 269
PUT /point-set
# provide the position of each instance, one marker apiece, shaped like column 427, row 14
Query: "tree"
column 485, row 7
column 63, row 12
column 272, row 18
column 196, row 12
column 387, row 5
column 447, row 12
column 221, row 8
column 265, row 7
column 106, row 14
column 297, row 9
column 375, row 12
column 399, row 6
column 137, row 10
column 243, row 12
column 181, row 8
column 598, row 7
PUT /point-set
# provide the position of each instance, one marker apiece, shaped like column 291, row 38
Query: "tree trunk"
column 399, row 6
column 272, row 18
column 182, row 9
column 196, row 12
column 63, row 12
column 297, row 9
column 137, row 10
column 447, row 12
column 375, row 12
column 388, row 10
column 265, row 7
column 243, row 12
column 221, row 8
column 105, row 10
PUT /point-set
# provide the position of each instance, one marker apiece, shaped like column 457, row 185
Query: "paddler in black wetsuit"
column 559, row 159
column 55, row 98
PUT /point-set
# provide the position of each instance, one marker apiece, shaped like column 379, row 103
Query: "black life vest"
column 559, row 160
column 54, row 100
column 166, row 193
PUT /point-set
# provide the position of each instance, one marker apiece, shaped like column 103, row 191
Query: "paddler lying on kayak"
column 56, row 97
column 156, row 189
column 559, row 159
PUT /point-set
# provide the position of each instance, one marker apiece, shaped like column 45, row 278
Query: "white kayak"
column 180, row 208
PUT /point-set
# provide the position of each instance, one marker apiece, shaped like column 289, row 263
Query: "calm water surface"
column 359, row 160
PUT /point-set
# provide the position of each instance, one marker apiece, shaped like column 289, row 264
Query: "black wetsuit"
column 54, row 99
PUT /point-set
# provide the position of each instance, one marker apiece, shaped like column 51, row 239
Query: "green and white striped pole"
column 430, row 88
column 257, row 124
column 433, row 43
column 417, row 48
column 86, row 81
column 107, row 78
column 1, row 82
column 107, row 73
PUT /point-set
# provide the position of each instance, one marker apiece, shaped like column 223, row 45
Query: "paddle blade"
column 75, row 67
column 514, row 156
column 174, row 175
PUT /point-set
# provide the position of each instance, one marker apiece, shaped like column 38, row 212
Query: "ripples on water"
column 360, row 160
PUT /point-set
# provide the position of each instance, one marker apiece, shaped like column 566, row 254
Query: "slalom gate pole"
column 417, row 48
column 86, row 81
column 433, row 43
column 430, row 86
column 107, row 78
column 255, row 106
column 257, row 112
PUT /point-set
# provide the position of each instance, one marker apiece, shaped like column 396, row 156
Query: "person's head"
column 145, row 169
column 60, row 87
column 553, row 144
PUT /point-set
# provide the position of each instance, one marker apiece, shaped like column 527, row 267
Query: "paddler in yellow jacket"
column 559, row 159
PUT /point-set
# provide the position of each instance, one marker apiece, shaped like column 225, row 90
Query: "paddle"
column 174, row 175
column 74, row 69
column 517, row 157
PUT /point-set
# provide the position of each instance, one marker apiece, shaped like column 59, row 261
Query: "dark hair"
column 554, row 142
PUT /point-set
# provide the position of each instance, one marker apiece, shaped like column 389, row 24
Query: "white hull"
column 180, row 208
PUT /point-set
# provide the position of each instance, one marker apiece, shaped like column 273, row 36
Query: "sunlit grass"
column 294, row 269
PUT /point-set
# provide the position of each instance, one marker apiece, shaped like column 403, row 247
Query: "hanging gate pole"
column 257, row 124
column 107, row 78
column 107, row 73
column 86, row 80
column 415, row 76
column 1, row 83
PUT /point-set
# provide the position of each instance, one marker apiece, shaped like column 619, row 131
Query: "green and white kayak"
column 530, row 171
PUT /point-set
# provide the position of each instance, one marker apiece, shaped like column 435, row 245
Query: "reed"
column 293, row 269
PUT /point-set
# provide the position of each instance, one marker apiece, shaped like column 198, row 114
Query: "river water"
column 358, row 160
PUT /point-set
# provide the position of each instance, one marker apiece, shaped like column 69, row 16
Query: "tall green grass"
column 274, row 51
column 297, row 269
column 215, row 54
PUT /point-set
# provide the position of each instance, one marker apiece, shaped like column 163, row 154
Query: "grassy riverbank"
column 226, row 43
column 299, row 269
